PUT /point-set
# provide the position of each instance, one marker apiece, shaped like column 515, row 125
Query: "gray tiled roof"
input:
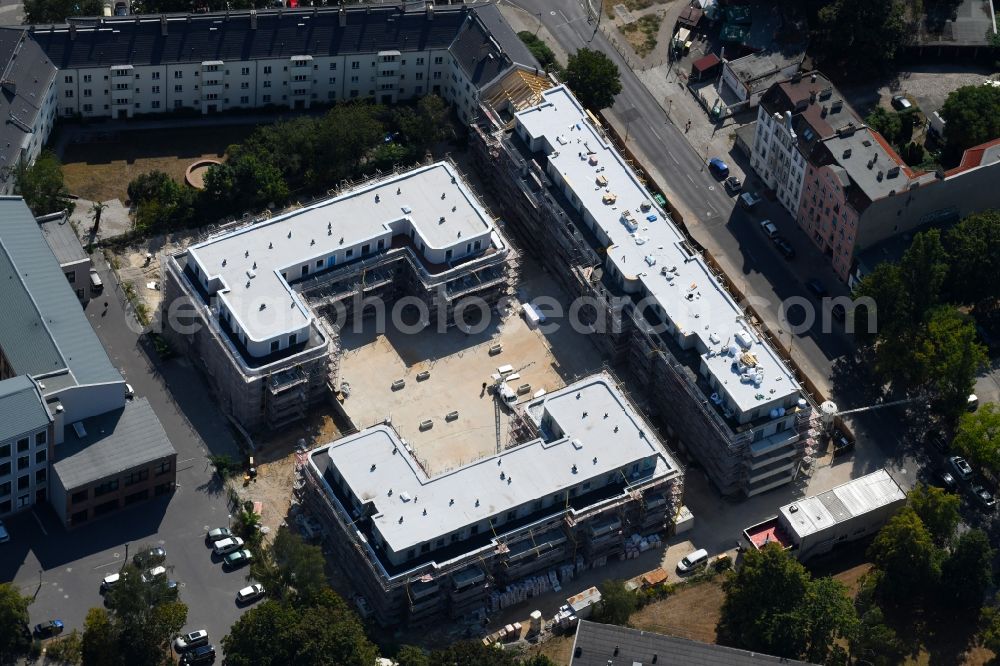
column 597, row 643
column 116, row 441
column 27, row 73
column 21, row 408
column 62, row 239
column 279, row 34
column 42, row 328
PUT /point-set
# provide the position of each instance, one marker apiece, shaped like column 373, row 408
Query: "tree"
column 967, row 572
column 57, row 11
column 863, row 37
column 617, row 603
column 411, row 655
column 99, row 644
column 886, row 123
column 875, row 641
column 906, row 557
column 543, row 54
column 937, row 510
column 14, row 637
column 290, row 564
column 42, row 185
column 773, row 605
column 322, row 631
column 978, row 437
column 472, row 653
column 593, row 78
column 948, row 357
column 97, row 210
column 972, row 117
column 422, row 126
column 886, row 288
column 65, row 650
column 924, row 269
column 976, row 239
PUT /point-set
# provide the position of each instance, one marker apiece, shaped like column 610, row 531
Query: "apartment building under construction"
column 696, row 361
column 586, row 473
column 260, row 305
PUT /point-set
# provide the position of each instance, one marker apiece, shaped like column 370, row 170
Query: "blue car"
column 718, row 167
column 48, row 628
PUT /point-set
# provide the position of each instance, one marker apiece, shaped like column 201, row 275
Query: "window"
column 40, row 475
column 438, row 60
column 211, row 68
column 41, row 455
column 156, row 90
column 86, row 92
column 69, row 93
column 106, row 487
column 266, row 98
column 299, row 91
column 274, row 345
column 355, row 64
column 156, row 104
column 121, row 101
column 68, row 79
column 71, row 277
column 245, row 71
column 87, row 78
column 425, row 548
column 136, row 477
column 163, row 468
column 437, row 75
column 350, row 253
column 267, row 69
column 420, row 76
column 354, row 79
column 319, row 263
column 41, row 438
column 420, row 61
column 354, row 93
column 5, row 451
column 333, row 80
column 4, row 489
column 178, row 74
column 22, row 445
column 333, row 67
column 23, row 482
column 178, row 89
column 244, row 99
column 292, row 339
column 300, row 77
column 475, row 529
column 245, row 85
column 156, row 76
column 121, row 86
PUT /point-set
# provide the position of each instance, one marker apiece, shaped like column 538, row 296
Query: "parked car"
column 937, row 439
column 4, row 534
column 191, row 640
column 96, row 283
column 237, row 559
column 718, row 168
column 733, row 184
column 984, row 498
column 769, row 228
column 961, row 466
column 150, row 575
column 900, row 103
column 841, row 442
column 228, row 545
column 250, row 593
column 110, row 581
column 972, row 402
column 945, row 480
column 129, row 392
column 749, row 199
column 149, row 557
column 692, row 561
column 48, row 628
column 817, row 288
column 217, row 534
column 200, row 655
column 784, row 247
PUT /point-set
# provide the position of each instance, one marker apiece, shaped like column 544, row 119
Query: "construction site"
column 693, row 359
column 557, row 501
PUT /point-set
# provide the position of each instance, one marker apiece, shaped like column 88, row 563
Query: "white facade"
column 777, row 160
column 24, row 464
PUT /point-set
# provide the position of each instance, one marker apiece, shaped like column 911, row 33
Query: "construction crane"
column 828, row 411
column 497, row 397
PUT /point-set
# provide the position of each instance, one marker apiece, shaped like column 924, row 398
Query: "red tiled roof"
column 972, row 158
column 705, row 62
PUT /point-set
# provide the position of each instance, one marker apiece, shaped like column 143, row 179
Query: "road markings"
column 107, row 564
column 658, row 138
column 674, row 159
column 688, row 176
column 39, row 521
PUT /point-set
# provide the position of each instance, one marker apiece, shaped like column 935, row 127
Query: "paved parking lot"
column 71, row 565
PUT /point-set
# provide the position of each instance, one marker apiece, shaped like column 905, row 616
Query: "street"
column 63, row 570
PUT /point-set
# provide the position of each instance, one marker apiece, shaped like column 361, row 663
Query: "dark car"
column 148, row 558
column 718, row 168
column 48, row 628
column 937, row 439
column 237, row 559
column 733, row 184
column 984, row 498
column 817, row 288
column 786, row 250
column 961, row 467
column 200, row 655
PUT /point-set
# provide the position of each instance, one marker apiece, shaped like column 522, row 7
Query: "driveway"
column 63, row 570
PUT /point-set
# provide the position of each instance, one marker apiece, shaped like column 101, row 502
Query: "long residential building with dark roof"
column 120, row 67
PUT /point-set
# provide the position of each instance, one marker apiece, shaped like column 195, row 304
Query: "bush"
column 224, row 466
column 543, row 54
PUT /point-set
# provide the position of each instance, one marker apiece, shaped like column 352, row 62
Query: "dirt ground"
column 691, row 613
column 100, row 168
column 458, row 364
column 558, row 648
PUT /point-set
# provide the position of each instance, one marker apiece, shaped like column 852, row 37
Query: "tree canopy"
column 905, row 554
column 973, row 280
column 543, row 54
column 978, row 437
column 593, row 78
column 967, row 571
column 320, row 630
column 617, row 603
column 14, row 637
column 937, row 510
column 57, row 11
column 860, row 37
column 773, row 605
column 972, row 117
column 42, row 185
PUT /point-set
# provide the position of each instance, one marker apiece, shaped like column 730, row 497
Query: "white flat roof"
column 302, row 235
column 690, row 295
column 846, row 501
column 373, row 462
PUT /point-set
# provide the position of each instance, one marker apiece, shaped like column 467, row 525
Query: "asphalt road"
column 824, row 353
column 63, row 570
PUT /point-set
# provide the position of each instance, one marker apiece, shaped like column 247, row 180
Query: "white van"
column 96, row 283
column 692, row 561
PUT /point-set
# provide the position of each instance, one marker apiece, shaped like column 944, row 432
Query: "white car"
column 250, row 593
column 769, row 228
column 191, row 640
column 110, row 581
column 227, row 545
column 129, row 392
column 154, row 573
